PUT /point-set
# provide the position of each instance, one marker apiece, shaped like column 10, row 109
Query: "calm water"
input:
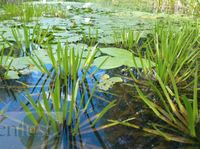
column 16, row 129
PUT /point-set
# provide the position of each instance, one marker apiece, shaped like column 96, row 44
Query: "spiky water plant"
column 26, row 39
column 172, row 48
column 167, row 87
column 26, row 12
column 59, row 109
column 5, row 63
column 91, row 38
column 127, row 39
column 178, row 112
column 68, row 96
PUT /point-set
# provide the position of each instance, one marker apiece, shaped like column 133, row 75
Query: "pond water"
column 80, row 20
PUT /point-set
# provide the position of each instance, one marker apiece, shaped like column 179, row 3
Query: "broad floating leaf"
column 120, row 57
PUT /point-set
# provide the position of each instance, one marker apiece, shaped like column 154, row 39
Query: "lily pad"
column 120, row 57
column 116, row 52
column 108, row 62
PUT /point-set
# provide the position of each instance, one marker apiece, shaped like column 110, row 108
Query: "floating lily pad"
column 108, row 62
column 120, row 57
column 116, row 52
column 74, row 38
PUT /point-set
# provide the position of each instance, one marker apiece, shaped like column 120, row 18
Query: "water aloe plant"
column 127, row 38
column 26, row 39
column 91, row 38
column 172, row 49
column 176, row 61
column 5, row 63
column 68, row 96
column 178, row 111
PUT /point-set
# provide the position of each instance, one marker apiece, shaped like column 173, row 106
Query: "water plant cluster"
column 171, row 86
column 67, row 58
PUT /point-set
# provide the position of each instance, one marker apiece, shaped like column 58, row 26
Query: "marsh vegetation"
column 100, row 74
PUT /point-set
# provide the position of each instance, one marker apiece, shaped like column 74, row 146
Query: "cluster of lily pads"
column 166, row 62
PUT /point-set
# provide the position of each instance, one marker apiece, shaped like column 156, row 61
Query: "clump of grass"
column 25, row 38
column 5, row 64
column 179, row 113
column 66, row 97
column 175, row 49
column 90, row 38
column 170, row 88
column 127, row 39
column 26, row 12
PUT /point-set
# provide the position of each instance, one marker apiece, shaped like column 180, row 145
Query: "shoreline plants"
column 172, row 86
column 68, row 95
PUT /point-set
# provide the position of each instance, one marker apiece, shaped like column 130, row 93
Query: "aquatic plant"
column 170, row 88
column 57, row 109
column 26, row 39
column 172, row 48
column 67, row 61
column 127, row 39
column 116, row 57
column 27, row 12
column 66, row 99
column 5, row 64
column 90, row 38
column 179, row 112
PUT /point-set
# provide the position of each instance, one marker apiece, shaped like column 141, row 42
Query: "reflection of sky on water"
column 91, row 139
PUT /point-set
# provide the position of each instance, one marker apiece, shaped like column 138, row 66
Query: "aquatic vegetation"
column 106, row 82
column 175, row 49
column 127, row 39
column 90, row 38
column 116, row 57
column 177, row 110
column 57, row 109
column 26, row 39
column 28, row 12
column 67, row 96
column 168, row 91
column 5, row 64
column 25, row 12
column 66, row 61
column 73, row 66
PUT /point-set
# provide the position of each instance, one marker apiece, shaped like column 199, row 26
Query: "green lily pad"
column 120, row 57
column 74, row 38
column 108, row 62
column 116, row 52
